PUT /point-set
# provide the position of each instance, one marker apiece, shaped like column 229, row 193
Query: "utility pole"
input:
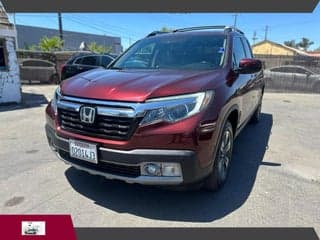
column 235, row 20
column 254, row 38
column 60, row 26
column 266, row 33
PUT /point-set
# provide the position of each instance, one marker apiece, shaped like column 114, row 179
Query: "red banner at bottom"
column 46, row 227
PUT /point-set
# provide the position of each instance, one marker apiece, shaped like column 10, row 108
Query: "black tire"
column 256, row 115
column 222, row 160
column 316, row 88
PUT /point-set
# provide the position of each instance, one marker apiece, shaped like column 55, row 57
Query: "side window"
column 90, row 60
column 78, row 61
column 105, row 60
column 237, row 52
column 300, row 70
column 275, row 70
column 247, row 48
column 281, row 70
column 3, row 59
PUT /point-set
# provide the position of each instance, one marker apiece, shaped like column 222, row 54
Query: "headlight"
column 176, row 108
column 55, row 99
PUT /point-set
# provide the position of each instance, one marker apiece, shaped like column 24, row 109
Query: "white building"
column 10, row 91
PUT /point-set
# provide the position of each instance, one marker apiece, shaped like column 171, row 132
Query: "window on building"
column 3, row 57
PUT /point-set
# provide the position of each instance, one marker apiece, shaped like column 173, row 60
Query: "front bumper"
column 125, row 165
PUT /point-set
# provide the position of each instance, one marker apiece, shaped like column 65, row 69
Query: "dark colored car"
column 166, row 112
column 293, row 78
column 83, row 62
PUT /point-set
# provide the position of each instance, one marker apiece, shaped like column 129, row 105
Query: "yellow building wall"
column 271, row 49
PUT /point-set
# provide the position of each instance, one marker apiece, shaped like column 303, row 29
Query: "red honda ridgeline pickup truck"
column 166, row 112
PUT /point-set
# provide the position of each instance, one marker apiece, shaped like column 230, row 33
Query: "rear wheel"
column 222, row 160
column 256, row 115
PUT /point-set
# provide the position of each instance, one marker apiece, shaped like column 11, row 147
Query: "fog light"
column 171, row 170
column 152, row 169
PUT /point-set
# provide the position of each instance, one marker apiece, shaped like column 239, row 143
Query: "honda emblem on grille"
column 87, row 114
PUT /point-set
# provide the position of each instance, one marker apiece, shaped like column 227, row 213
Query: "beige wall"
column 271, row 49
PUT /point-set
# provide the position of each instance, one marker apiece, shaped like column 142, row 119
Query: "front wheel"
column 222, row 160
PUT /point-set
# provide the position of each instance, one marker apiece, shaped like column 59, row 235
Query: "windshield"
column 194, row 52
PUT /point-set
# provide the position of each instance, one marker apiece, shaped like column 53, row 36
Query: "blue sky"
column 133, row 26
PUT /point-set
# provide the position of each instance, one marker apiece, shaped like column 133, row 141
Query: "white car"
column 292, row 78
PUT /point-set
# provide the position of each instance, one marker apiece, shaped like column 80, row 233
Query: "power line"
column 96, row 28
column 116, row 28
column 102, row 28
column 91, row 25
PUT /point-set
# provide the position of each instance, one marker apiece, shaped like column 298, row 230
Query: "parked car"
column 83, row 62
column 38, row 70
column 166, row 112
column 293, row 78
column 31, row 230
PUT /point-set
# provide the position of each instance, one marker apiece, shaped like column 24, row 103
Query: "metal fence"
column 291, row 73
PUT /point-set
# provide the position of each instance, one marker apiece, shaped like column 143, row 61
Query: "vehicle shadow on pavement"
column 28, row 100
column 201, row 206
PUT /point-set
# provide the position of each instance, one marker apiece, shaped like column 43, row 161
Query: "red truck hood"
column 137, row 85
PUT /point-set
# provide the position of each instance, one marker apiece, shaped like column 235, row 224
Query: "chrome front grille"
column 107, row 127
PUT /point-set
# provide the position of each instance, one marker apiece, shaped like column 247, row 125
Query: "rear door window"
column 90, row 61
column 106, row 60
column 78, row 61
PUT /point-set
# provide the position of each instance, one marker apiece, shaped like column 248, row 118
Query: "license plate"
column 83, row 150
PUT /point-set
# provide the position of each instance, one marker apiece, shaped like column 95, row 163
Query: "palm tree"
column 50, row 44
column 96, row 48
column 305, row 43
column 291, row 43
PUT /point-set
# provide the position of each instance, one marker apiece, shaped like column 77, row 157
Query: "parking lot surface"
column 274, row 180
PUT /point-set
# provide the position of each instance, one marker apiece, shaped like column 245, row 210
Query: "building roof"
column 4, row 21
column 314, row 54
column 297, row 51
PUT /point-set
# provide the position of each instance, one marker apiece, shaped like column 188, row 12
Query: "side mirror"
column 249, row 65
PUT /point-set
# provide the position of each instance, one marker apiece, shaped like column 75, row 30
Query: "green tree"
column 166, row 29
column 291, row 43
column 30, row 47
column 305, row 43
column 50, row 44
column 96, row 48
